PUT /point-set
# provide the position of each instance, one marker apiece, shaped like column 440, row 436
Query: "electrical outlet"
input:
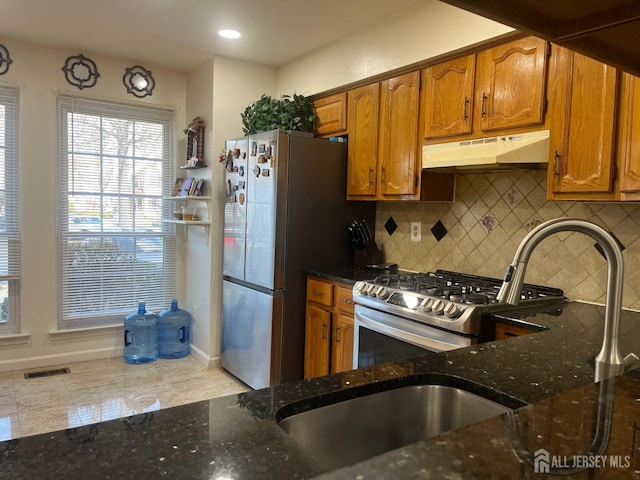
column 194, row 313
column 416, row 231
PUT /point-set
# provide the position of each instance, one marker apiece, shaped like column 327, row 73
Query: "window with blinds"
column 115, row 165
column 9, row 212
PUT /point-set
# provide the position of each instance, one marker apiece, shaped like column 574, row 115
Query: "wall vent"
column 47, row 373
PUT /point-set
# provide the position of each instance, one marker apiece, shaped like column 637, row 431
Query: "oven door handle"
column 421, row 340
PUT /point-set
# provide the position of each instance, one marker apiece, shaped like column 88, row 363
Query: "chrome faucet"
column 609, row 361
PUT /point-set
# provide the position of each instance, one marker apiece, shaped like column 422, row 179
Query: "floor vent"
column 47, row 373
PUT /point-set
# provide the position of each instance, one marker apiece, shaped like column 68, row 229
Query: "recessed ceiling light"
column 229, row 33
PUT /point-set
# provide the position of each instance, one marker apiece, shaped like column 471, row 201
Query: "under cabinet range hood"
column 506, row 152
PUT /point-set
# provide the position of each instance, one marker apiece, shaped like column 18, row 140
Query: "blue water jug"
column 141, row 336
column 174, row 325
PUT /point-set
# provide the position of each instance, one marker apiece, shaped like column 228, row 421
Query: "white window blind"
column 9, row 211
column 115, row 165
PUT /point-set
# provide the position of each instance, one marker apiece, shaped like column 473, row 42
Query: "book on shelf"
column 177, row 187
column 188, row 187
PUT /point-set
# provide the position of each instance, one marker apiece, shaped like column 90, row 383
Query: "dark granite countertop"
column 237, row 436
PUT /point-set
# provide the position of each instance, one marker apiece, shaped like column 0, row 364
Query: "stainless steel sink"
column 349, row 431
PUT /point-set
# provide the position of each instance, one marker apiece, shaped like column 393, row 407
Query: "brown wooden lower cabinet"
column 505, row 330
column 328, row 328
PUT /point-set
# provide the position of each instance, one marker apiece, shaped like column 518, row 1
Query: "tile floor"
column 100, row 390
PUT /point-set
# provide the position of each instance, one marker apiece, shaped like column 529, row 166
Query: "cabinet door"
column 342, row 353
column 398, row 135
column 331, row 114
column 316, row 344
column 582, row 130
column 630, row 135
column 363, row 140
column 449, row 97
column 512, row 84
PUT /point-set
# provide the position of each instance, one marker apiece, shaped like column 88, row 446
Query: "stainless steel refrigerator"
column 285, row 212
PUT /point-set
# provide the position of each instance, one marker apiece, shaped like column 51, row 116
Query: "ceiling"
column 183, row 33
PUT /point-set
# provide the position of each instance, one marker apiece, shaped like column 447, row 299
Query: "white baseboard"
column 59, row 359
column 203, row 358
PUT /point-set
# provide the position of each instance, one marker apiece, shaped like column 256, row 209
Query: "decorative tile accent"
column 488, row 222
column 601, row 251
column 513, row 196
column 391, row 226
column 439, row 231
column 533, row 223
column 483, row 233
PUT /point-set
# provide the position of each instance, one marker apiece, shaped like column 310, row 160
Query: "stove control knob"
column 438, row 307
column 371, row 290
column 451, row 310
column 382, row 293
column 361, row 288
column 426, row 305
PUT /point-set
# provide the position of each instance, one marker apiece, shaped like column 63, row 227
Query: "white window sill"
column 14, row 339
column 86, row 332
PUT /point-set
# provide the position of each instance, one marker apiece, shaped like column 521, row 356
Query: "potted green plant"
column 289, row 113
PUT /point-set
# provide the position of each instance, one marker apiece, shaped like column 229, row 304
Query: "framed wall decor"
column 139, row 81
column 81, row 71
column 5, row 60
column 195, row 144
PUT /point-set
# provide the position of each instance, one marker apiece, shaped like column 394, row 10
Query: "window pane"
column 115, row 250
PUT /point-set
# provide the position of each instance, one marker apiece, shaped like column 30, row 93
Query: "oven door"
column 381, row 337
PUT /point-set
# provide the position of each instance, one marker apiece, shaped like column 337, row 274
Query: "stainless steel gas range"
column 403, row 314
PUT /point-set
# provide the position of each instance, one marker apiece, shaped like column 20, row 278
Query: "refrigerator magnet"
column 265, row 172
column 241, row 171
column 261, row 148
column 241, row 198
column 262, row 159
column 243, row 155
column 254, row 149
column 256, row 171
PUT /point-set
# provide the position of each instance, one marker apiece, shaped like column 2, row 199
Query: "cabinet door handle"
column 484, row 105
column 370, row 174
column 382, row 176
column 466, row 109
column 337, row 334
column 346, row 300
column 316, row 293
column 324, row 330
column 556, row 158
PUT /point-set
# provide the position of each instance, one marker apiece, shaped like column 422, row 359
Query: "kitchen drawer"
column 320, row 292
column 344, row 299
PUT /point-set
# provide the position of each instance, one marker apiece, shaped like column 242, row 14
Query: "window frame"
column 71, row 104
column 10, row 99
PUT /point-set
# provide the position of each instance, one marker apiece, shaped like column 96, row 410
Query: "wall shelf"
column 187, row 223
column 193, row 167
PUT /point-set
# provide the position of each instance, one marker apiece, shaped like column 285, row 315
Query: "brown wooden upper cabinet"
column 331, row 115
column 629, row 138
column 582, row 121
column 449, row 93
column 497, row 89
column 384, row 161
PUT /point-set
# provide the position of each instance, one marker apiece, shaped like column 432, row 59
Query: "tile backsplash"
column 491, row 215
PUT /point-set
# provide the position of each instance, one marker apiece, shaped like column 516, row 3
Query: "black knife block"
column 370, row 255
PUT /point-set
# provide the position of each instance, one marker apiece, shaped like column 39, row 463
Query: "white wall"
column 424, row 32
column 36, row 70
column 217, row 91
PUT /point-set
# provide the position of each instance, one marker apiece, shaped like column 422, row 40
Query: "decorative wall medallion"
column 5, row 60
column 81, row 71
column 138, row 81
